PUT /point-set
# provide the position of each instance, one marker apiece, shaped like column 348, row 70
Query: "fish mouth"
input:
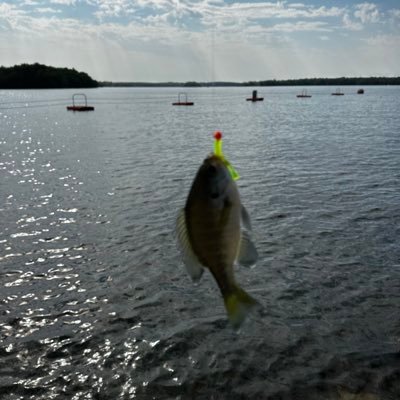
column 214, row 159
column 213, row 165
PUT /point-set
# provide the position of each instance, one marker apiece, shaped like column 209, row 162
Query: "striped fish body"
column 209, row 231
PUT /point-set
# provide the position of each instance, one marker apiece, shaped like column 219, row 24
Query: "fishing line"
column 34, row 106
column 31, row 101
column 9, row 105
column 213, row 94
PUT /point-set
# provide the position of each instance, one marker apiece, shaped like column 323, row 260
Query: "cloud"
column 367, row 12
column 9, row 10
column 364, row 13
column 395, row 13
column 63, row 2
column 351, row 25
column 179, row 39
column 10, row 16
column 120, row 8
column 30, row 3
column 112, row 8
column 247, row 12
column 47, row 10
column 300, row 26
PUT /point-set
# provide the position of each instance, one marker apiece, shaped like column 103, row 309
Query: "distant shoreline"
column 359, row 81
column 38, row 76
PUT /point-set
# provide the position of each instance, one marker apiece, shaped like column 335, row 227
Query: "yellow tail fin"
column 238, row 304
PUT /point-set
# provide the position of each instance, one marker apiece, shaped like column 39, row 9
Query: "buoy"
column 337, row 93
column 182, row 103
column 304, row 94
column 75, row 107
column 254, row 97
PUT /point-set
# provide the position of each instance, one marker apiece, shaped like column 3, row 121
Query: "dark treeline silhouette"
column 38, row 76
column 167, row 84
column 328, row 81
column 273, row 82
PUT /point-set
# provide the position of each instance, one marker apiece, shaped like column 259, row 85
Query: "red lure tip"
column 217, row 135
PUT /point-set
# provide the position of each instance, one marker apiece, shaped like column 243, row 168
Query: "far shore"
column 289, row 82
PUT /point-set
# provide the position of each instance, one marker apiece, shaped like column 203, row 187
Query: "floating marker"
column 183, row 103
column 75, row 107
column 254, row 97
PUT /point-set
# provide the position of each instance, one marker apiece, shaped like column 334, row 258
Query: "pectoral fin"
column 245, row 218
column 247, row 255
column 192, row 264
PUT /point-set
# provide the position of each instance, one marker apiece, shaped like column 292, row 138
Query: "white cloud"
column 63, row 2
column 208, row 12
column 117, row 8
column 30, row 3
column 247, row 12
column 367, row 12
column 9, row 10
column 297, row 5
column 10, row 16
column 47, row 10
column 351, row 25
column 111, row 8
column 300, row 26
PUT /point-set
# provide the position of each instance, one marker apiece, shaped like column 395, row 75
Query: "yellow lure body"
column 218, row 152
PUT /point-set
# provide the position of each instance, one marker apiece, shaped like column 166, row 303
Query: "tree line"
column 357, row 81
column 38, row 76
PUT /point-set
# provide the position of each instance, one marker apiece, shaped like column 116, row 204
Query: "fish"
column 214, row 232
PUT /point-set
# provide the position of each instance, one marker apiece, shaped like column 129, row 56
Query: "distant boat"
column 303, row 94
column 337, row 93
column 360, row 91
column 254, row 97
column 183, row 103
column 81, row 107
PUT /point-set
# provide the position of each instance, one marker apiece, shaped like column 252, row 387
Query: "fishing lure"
column 218, row 152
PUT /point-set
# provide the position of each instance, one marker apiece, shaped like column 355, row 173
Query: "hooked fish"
column 213, row 231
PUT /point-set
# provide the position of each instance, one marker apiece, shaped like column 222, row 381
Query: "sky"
column 204, row 40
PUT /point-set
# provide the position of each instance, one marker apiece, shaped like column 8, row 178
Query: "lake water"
column 95, row 303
